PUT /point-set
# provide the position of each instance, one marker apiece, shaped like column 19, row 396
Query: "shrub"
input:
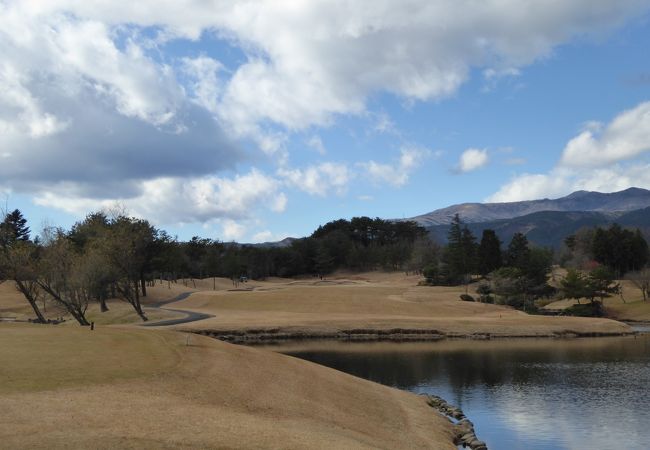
column 594, row 309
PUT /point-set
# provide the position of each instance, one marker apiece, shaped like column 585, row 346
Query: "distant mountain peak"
column 626, row 200
column 578, row 194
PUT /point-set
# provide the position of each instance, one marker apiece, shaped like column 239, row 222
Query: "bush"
column 514, row 301
column 594, row 309
column 484, row 290
column 467, row 298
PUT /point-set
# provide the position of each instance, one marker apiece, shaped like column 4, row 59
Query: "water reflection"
column 521, row 394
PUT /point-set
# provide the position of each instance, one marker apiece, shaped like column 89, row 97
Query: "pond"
column 591, row 393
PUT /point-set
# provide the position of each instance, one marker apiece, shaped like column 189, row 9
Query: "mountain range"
column 545, row 222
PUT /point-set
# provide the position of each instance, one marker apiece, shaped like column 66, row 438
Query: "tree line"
column 104, row 257
column 116, row 256
column 518, row 274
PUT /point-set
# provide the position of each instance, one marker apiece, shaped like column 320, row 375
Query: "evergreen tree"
column 574, row 285
column 460, row 254
column 638, row 251
column 470, row 251
column 601, row 283
column 518, row 254
column 453, row 254
column 324, row 261
column 489, row 252
column 14, row 227
column 619, row 249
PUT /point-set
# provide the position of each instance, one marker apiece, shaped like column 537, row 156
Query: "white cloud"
column 31, row 120
column 515, row 161
column 93, row 101
column 232, row 231
column 316, row 143
column 532, row 186
column 206, row 86
column 625, row 137
column 493, row 76
column 396, row 174
column 601, row 158
column 318, row 179
column 86, row 103
column 384, row 124
column 179, row 200
column 262, row 236
column 308, row 61
column 267, row 236
column 472, row 159
column 321, row 61
column 137, row 85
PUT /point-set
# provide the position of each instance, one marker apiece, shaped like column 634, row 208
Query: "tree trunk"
column 102, row 302
column 79, row 317
column 136, row 305
column 143, row 284
column 32, row 301
column 39, row 316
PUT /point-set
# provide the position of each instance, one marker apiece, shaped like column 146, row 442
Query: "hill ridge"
column 579, row 201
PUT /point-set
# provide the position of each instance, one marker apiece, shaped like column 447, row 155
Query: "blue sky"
column 253, row 121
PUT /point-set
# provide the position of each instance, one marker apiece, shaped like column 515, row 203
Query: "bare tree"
column 86, row 236
column 17, row 255
column 63, row 275
column 17, row 263
column 126, row 247
column 641, row 279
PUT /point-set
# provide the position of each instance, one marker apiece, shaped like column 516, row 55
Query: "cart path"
column 190, row 316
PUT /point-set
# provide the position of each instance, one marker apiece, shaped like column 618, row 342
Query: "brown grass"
column 341, row 301
column 43, row 357
column 372, row 301
column 127, row 388
column 634, row 308
column 14, row 305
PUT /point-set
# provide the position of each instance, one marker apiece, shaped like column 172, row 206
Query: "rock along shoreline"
column 464, row 433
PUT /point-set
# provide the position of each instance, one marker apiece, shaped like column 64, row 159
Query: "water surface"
column 521, row 394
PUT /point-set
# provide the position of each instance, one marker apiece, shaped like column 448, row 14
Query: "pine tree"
column 518, row 254
column 469, row 250
column 453, row 254
column 574, row 285
column 489, row 252
column 619, row 249
column 460, row 253
column 14, row 227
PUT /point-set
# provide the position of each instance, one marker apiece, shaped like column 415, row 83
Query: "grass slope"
column 65, row 387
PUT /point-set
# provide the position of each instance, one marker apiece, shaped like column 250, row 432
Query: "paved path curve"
column 191, row 316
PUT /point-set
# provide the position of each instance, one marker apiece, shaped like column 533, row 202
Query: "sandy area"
column 68, row 387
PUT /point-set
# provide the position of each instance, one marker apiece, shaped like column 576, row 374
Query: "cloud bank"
column 106, row 101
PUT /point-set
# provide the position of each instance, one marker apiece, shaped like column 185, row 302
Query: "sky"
column 256, row 120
